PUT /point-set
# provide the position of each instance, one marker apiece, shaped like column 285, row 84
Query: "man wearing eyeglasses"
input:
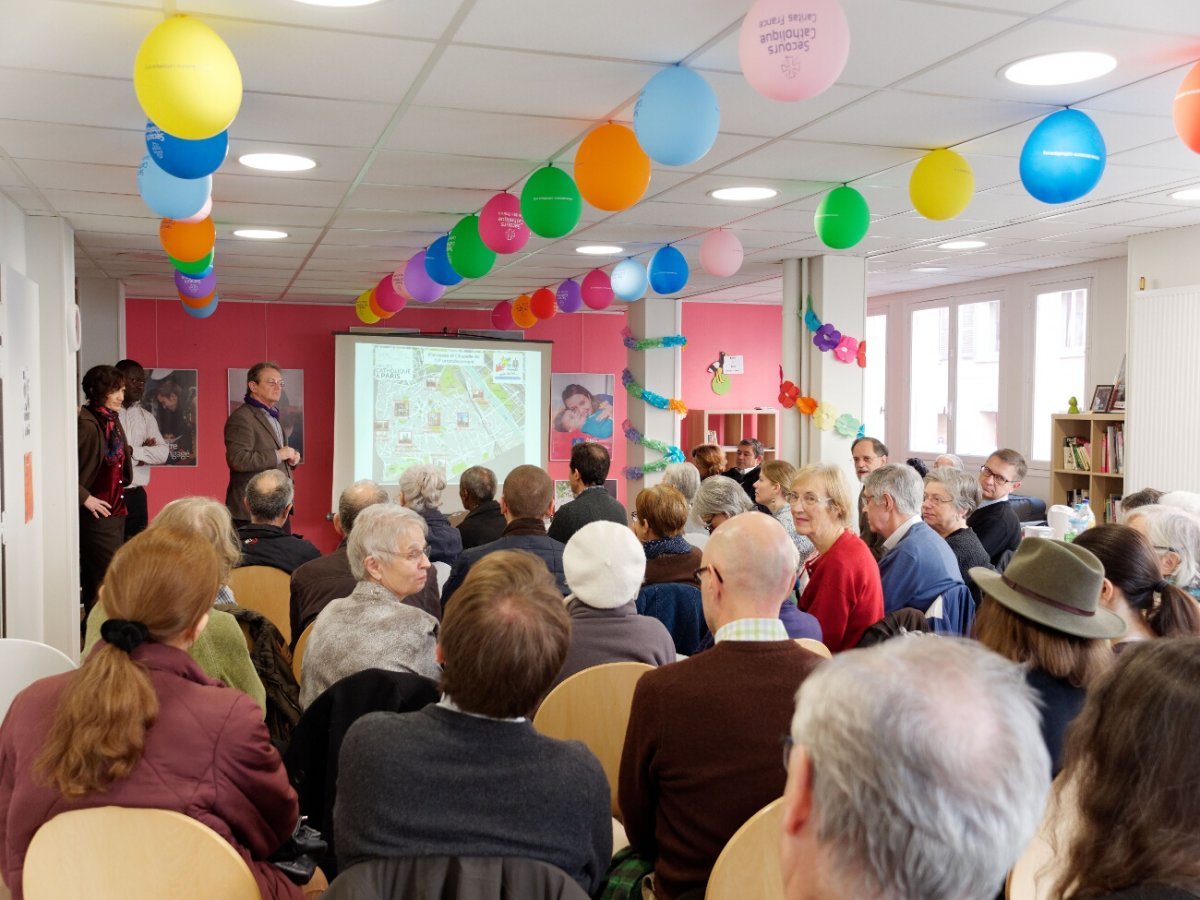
column 254, row 439
column 868, row 454
column 995, row 523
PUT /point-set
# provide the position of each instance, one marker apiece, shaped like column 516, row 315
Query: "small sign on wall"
column 734, row 365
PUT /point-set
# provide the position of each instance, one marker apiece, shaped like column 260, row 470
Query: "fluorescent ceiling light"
column 962, row 245
column 277, row 162
column 337, row 2
column 600, row 249
column 743, row 193
column 931, row 269
column 1188, row 194
column 260, row 234
column 1060, row 68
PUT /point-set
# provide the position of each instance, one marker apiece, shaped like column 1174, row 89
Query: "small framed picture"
column 1101, row 398
column 1116, row 401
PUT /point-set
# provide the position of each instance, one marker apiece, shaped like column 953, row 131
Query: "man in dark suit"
column 254, row 440
column 592, row 503
column 998, row 527
column 484, row 522
column 749, row 464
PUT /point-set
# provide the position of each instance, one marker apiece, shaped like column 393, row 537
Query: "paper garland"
column 662, row 343
column 826, row 338
column 824, row 415
column 671, row 453
column 656, row 400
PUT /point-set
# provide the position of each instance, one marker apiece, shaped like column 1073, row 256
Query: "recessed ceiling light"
column 337, row 2
column 260, row 234
column 931, row 269
column 277, row 162
column 1060, row 68
column 600, row 249
column 1188, row 194
column 962, row 245
column 743, row 193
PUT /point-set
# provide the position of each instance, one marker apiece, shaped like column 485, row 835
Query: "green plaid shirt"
column 751, row 630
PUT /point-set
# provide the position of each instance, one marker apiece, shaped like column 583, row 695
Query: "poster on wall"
column 171, row 398
column 581, row 410
column 291, row 403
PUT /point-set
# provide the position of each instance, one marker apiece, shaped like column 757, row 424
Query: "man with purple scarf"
column 254, row 439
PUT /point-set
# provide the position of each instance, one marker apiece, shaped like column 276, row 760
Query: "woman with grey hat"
column 1044, row 610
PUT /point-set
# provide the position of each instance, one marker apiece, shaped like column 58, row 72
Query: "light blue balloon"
column 168, row 196
column 1063, row 158
column 437, row 263
column 183, row 158
column 677, row 117
column 668, row 270
column 203, row 312
column 629, row 280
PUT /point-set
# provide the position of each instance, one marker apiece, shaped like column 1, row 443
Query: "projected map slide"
column 449, row 406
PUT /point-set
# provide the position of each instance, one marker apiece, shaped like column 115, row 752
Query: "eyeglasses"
column 941, row 501
column 788, row 744
column 999, row 479
column 790, row 496
column 808, row 501
column 1165, row 549
column 709, row 524
column 413, row 556
column 271, row 382
column 713, row 569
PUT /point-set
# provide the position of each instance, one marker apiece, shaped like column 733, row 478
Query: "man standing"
column 868, row 454
column 995, row 523
column 264, row 542
column 963, row 771
column 146, row 445
column 592, row 503
column 701, row 751
column 484, row 522
column 254, row 440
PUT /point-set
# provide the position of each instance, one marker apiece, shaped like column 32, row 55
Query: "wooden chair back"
column 301, row 646
column 24, row 662
column 749, row 864
column 593, row 706
column 267, row 590
column 114, row 853
column 814, row 646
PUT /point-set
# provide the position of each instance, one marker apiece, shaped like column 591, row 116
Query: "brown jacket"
column 91, row 454
column 250, row 448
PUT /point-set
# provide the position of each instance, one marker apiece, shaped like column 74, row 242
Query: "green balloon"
column 550, row 203
column 469, row 256
column 193, row 268
column 842, row 219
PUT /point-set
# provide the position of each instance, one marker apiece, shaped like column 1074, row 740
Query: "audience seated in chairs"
column 1175, row 536
column 658, row 520
column 421, row 490
column 950, row 496
column 373, row 628
column 264, row 542
column 604, row 565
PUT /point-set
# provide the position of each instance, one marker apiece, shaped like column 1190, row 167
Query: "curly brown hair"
column 709, row 459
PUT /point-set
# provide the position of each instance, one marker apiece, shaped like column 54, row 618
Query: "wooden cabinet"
column 728, row 426
column 1087, row 456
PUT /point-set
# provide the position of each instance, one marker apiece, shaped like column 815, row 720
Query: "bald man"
column 702, row 751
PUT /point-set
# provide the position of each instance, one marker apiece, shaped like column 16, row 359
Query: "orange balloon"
column 187, row 241
column 612, row 171
column 196, row 302
column 375, row 308
column 542, row 304
column 522, row 314
column 1187, row 110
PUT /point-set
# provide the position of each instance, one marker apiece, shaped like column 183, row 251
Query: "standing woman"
column 772, row 490
column 105, row 468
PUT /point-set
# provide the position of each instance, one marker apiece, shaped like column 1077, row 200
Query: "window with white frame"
column 874, row 414
column 1060, row 337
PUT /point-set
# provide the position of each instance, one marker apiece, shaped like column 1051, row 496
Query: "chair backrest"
column 301, row 646
column 814, row 646
column 593, row 706
column 679, row 608
column 443, row 575
column 267, row 590
column 24, row 662
column 114, row 853
column 749, row 864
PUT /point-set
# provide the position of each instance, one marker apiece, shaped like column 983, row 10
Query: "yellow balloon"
column 362, row 306
column 941, row 185
column 186, row 78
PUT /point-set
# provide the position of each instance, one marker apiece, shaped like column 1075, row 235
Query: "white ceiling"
column 417, row 111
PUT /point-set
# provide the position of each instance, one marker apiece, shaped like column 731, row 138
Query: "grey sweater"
column 601, row 636
column 444, row 783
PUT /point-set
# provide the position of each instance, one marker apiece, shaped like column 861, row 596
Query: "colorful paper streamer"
column 656, row 400
column 662, row 343
column 671, row 453
column 827, row 338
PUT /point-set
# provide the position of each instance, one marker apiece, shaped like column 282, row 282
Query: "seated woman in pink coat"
column 140, row 724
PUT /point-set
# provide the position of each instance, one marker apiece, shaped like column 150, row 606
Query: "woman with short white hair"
column 685, row 477
column 421, row 490
column 950, row 496
column 373, row 628
column 1175, row 536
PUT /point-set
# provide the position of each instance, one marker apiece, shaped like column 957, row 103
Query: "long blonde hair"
column 165, row 579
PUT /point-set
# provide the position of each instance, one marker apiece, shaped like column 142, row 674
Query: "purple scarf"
column 272, row 411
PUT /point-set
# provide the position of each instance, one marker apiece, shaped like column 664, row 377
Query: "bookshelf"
column 1087, row 454
column 731, row 426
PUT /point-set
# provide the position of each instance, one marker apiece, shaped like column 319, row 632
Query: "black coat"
column 482, row 525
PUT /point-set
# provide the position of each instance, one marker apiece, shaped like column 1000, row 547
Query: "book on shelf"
column 1112, row 508
column 1113, row 458
column 1077, row 454
column 1078, row 495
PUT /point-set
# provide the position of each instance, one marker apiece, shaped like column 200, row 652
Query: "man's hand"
column 290, row 455
column 97, row 507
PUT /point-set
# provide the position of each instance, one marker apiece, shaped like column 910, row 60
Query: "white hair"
column 377, row 531
column 422, row 486
column 685, row 477
column 921, row 793
column 963, row 488
column 1171, row 528
column 720, row 495
column 952, row 461
column 902, row 483
column 1185, row 500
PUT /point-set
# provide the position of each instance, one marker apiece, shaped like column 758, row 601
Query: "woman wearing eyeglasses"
column 1175, row 536
column 950, row 496
column 373, row 628
column 772, row 491
column 843, row 592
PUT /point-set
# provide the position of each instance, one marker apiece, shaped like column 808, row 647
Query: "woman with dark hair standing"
column 105, row 468
column 1134, row 588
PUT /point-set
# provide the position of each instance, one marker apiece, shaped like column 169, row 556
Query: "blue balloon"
column 629, row 280
column 168, row 196
column 186, row 159
column 203, row 312
column 668, row 270
column 677, row 117
column 437, row 263
column 1063, row 158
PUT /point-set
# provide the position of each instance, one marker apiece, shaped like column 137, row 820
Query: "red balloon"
column 502, row 316
column 542, row 303
column 387, row 297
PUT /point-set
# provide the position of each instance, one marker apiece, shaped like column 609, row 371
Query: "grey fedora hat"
column 1055, row 584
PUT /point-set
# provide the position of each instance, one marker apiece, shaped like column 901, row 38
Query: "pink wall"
column 160, row 335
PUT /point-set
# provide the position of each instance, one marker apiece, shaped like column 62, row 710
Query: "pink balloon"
column 793, row 49
column 721, row 254
column 501, row 227
column 502, row 316
column 597, row 289
column 387, row 295
column 568, row 296
column 202, row 214
column 417, row 282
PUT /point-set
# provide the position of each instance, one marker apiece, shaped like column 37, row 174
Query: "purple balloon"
column 569, row 296
column 417, row 282
column 196, row 287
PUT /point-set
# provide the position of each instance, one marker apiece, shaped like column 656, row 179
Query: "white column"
column 658, row 371
column 792, row 338
column 102, row 310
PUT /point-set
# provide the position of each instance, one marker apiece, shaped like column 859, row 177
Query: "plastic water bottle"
column 1080, row 520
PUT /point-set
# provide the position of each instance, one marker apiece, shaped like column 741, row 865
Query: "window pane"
column 929, row 384
column 875, row 378
column 978, row 383
column 1058, row 362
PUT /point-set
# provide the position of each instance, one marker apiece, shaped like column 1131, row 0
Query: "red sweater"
column 704, row 752
column 844, row 592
